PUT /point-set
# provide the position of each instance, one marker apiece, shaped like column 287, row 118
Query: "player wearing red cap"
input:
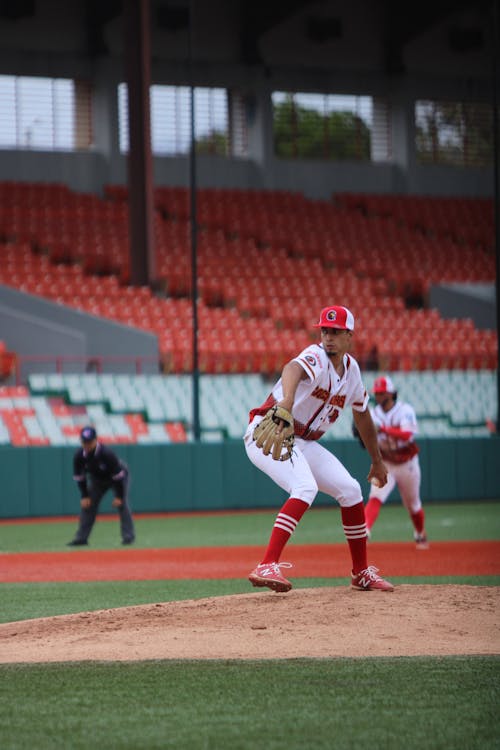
column 396, row 423
column 316, row 387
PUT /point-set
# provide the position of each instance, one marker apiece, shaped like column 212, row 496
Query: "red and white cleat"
column 421, row 541
column 369, row 580
column 269, row 574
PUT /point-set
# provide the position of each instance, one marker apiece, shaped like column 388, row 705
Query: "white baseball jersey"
column 400, row 455
column 402, row 416
column 321, row 398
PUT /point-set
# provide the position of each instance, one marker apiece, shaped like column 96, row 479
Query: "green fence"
column 38, row 481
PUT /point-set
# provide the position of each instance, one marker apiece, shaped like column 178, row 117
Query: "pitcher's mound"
column 322, row 622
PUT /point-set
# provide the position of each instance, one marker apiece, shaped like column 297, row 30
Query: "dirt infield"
column 323, row 622
column 322, row 560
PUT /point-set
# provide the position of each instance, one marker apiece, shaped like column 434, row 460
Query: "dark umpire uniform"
column 97, row 469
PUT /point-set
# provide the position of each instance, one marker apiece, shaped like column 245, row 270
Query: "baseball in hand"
column 376, row 482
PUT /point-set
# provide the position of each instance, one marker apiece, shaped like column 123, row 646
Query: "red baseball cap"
column 336, row 317
column 383, row 384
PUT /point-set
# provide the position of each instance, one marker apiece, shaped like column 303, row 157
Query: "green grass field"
column 440, row 703
column 447, row 521
column 299, row 704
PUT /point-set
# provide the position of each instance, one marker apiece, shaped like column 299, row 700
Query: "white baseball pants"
column 407, row 477
column 311, row 468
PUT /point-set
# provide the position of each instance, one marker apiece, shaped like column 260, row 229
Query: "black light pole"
column 194, row 236
column 140, row 164
column 496, row 185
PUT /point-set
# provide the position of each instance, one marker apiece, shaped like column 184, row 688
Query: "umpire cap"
column 88, row 434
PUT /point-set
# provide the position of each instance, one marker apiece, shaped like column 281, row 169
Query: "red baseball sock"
column 372, row 510
column 284, row 526
column 353, row 520
column 418, row 519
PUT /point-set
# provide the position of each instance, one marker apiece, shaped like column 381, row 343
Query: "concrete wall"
column 476, row 301
column 34, row 327
column 316, row 180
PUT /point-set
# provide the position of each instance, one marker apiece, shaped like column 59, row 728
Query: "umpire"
column 96, row 469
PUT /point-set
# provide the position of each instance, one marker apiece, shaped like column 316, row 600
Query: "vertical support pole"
column 194, row 235
column 140, row 169
column 496, row 176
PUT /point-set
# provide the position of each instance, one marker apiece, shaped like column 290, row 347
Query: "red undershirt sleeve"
column 396, row 432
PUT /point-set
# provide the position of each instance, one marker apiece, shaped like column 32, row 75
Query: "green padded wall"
column 47, row 468
column 491, row 453
column 37, row 481
column 15, row 492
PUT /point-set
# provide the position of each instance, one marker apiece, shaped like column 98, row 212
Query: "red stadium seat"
column 263, row 256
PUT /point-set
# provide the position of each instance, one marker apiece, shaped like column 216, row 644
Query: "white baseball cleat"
column 269, row 574
column 421, row 541
column 369, row 580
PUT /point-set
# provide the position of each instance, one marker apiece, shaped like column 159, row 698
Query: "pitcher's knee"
column 415, row 506
column 305, row 491
column 350, row 494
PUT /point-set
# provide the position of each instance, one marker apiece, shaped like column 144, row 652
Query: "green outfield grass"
column 446, row 521
column 299, row 704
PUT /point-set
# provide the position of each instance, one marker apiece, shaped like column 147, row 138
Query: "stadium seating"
column 8, row 361
column 158, row 408
column 264, row 258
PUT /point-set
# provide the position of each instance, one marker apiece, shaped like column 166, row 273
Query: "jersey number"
column 334, row 416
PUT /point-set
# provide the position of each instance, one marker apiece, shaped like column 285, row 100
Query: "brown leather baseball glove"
column 279, row 444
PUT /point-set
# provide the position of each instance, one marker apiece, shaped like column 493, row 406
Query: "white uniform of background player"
column 316, row 386
column 396, row 423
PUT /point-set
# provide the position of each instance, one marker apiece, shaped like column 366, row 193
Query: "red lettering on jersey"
column 338, row 401
column 320, row 393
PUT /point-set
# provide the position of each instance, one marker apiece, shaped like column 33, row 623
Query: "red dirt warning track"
column 322, row 560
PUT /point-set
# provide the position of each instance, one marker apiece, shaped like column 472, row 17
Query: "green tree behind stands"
column 300, row 132
column 214, row 143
